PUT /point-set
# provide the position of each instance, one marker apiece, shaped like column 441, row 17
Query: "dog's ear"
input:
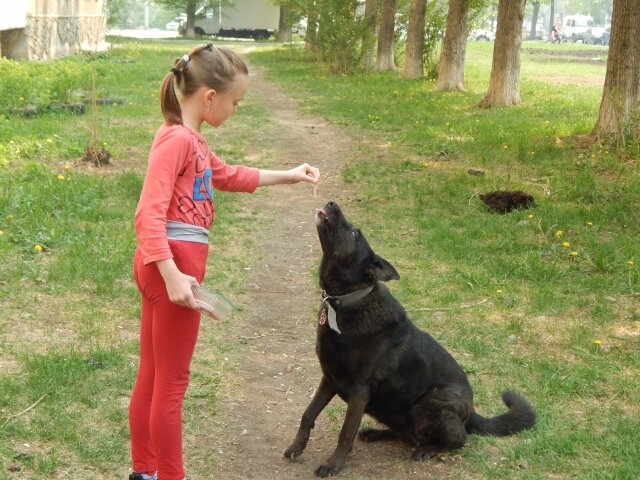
column 382, row 270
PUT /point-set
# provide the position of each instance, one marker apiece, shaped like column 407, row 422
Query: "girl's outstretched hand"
column 301, row 173
column 305, row 173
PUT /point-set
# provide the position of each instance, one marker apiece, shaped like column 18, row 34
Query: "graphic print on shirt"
column 202, row 189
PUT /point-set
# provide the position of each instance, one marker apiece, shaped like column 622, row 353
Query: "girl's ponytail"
column 169, row 102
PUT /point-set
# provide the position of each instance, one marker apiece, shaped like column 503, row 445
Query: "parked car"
column 575, row 27
column 480, row 35
column 175, row 24
column 593, row 36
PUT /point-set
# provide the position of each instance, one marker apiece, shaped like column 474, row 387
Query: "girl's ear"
column 208, row 95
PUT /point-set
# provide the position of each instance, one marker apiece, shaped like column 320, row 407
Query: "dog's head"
column 348, row 262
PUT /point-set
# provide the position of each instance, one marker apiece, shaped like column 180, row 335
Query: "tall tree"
column 368, row 46
column 619, row 117
column 386, row 36
column 504, row 83
column 413, row 61
column 451, row 65
column 284, row 22
column 534, row 21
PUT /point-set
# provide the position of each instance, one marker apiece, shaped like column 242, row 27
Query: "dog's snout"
column 332, row 205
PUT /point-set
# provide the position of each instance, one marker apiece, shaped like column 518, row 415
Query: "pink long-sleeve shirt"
column 179, row 186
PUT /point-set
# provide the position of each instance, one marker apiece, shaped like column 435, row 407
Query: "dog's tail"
column 519, row 417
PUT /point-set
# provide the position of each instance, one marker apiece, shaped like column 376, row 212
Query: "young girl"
column 172, row 221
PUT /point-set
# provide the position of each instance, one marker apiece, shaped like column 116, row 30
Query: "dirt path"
column 278, row 371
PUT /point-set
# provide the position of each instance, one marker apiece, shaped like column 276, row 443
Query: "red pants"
column 168, row 334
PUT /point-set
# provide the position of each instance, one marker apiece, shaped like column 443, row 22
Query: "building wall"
column 55, row 28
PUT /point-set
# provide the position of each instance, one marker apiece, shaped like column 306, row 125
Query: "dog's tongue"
column 321, row 212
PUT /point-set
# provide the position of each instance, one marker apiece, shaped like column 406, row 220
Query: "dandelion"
column 566, row 244
column 530, row 216
column 630, row 262
column 559, row 233
column 425, row 164
column 498, row 291
column 37, row 248
column 558, row 141
column 589, row 224
column 60, row 177
column 504, row 147
column 22, row 99
column 49, row 140
column 574, row 254
column 597, row 341
column 1, row 233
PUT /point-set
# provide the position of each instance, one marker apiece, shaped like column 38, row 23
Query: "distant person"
column 172, row 221
column 554, row 36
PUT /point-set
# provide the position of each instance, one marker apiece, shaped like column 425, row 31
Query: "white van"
column 574, row 28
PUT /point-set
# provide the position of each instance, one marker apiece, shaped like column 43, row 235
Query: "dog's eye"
column 355, row 233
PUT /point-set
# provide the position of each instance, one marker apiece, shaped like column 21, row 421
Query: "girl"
column 172, row 221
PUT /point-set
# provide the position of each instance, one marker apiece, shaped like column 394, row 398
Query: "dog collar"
column 328, row 312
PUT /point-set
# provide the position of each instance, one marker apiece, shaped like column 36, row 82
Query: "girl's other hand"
column 178, row 284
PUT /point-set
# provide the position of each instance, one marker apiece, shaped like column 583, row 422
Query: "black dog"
column 377, row 361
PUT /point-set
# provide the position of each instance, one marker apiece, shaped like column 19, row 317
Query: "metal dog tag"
column 323, row 317
column 333, row 324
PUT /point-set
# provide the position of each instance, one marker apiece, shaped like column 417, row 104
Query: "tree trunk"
column 368, row 49
column 534, row 21
column 189, row 31
column 619, row 117
column 413, row 61
column 451, row 64
column 552, row 18
column 386, row 37
column 311, row 36
column 284, row 23
column 504, row 83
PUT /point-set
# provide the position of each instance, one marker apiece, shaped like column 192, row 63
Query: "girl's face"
column 223, row 105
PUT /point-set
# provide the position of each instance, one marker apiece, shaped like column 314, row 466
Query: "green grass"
column 514, row 305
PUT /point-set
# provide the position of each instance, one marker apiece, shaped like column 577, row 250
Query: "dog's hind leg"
column 323, row 396
column 358, row 399
column 376, row 435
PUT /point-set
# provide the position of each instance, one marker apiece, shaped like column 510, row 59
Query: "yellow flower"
column 49, row 140
column 559, row 233
column 67, row 166
column 574, row 254
column 37, row 248
column 60, row 177
column 425, row 164
column 589, row 224
column 566, row 244
column 1, row 233
column 504, row 147
column 498, row 291
column 597, row 341
column 558, row 141
column 629, row 262
column 530, row 216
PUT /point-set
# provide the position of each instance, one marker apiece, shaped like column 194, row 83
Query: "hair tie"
column 175, row 71
column 185, row 58
column 209, row 47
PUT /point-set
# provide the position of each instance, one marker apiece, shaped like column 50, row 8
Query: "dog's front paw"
column 324, row 471
column 293, row 451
